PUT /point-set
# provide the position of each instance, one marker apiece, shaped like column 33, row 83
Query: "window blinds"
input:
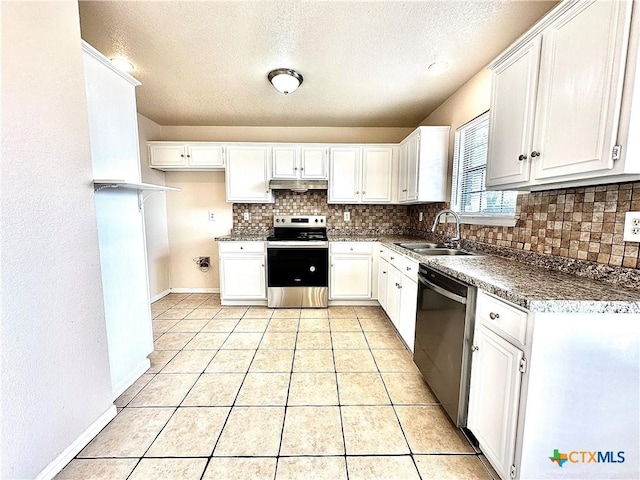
column 469, row 195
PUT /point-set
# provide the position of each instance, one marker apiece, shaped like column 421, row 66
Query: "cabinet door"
column 313, row 163
column 242, row 277
column 494, row 397
column 205, row 156
column 383, row 273
column 413, row 158
column 247, row 174
column 285, row 162
column 402, row 171
column 513, row 94
column 394, row 282
column 350, row 276
column 377, row 165
column 408, row 303
column 579, row 94
column 167, row 156
column 344, row 178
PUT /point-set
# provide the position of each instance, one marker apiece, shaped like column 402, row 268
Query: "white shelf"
column 134, row 185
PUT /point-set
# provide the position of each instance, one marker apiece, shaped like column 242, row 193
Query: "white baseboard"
column 354, row 303
column 242, row 303
column 163, row 294
column 131, row 378
column 79, row 443
column 195, row 290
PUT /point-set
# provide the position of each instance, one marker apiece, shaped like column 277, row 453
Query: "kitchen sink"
column 420, row 245
column 440, row 251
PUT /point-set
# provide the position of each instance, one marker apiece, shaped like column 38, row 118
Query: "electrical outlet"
column 420, row 216
column 246, row 216
column 347, row 216
column 632, row 227
column 212, row 216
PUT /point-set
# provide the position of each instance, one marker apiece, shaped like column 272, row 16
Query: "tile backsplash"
column 365, row 219
column 584, row 223
column 579, row 223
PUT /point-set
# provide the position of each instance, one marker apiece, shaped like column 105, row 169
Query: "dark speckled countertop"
column 532, row 287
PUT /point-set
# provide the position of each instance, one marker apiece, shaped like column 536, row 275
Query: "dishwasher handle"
column 442, row 291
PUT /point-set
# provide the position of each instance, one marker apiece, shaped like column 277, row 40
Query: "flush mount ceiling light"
column 438, row 67
column 122, row 64
column 285, row 80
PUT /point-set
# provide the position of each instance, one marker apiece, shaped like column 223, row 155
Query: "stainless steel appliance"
column 298, row 262
column 443, row 339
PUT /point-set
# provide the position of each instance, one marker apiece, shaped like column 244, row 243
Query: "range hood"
column 298, row 185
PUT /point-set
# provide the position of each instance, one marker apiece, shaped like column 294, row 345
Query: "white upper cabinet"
column 361, row 174
column 299, row 162
column 422, row 169
column 377, row 170
column 568, row 137
column 185, row 156
column 513, row 102
column 313, row 162
column 248, row 173
column 344, row 175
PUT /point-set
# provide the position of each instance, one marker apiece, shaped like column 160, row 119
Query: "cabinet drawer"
column 351, row 247
column 502, row 317
column 241, row 247
column 410, row 268
column 396, row 259
column 383, row 252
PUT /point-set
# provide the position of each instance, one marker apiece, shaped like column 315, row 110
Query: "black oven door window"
column 298, row 267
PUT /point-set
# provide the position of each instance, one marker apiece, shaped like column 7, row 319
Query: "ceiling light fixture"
column 122, row 64
column 438, row 67
column 285, row 80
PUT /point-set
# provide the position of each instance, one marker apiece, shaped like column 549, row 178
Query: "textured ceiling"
column 364, row 62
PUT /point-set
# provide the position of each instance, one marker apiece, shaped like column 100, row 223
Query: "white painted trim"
column 242, row 303
column 79, row 443
column 131, row 378
column 480, row 220
column 195, row 290
column 88, row 49
column 162, row 294
column 354, row 303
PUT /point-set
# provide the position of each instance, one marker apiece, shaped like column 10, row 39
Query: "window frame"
column 500, row 219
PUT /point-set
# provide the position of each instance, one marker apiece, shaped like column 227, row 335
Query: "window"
column 469, row 196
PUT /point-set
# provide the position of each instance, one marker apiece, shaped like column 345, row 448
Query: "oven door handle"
column 442, row 291
column 297, row 244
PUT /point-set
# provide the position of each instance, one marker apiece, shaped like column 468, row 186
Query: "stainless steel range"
column 298, row 262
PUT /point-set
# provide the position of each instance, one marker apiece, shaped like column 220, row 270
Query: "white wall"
column 469, row 101
column 287, row 134
column 155, row 215
column 191, row 234
column 55, row 366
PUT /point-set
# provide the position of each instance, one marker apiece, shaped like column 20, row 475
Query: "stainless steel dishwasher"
column 444, row 335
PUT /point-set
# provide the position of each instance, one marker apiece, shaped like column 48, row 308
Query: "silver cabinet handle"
column 494, row 316
column 522, row 157
column 535, row 154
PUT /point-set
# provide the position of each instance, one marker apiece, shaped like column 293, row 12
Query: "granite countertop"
column 534, row 288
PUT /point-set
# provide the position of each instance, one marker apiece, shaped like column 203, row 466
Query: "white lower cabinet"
column 383, row 274
column 242, row 271
column 408, row 303
column 398, row 278
column 351, row 267
column 544, row 383
column 494, row 397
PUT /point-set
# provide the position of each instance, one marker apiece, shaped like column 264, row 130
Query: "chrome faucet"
column 453, row 240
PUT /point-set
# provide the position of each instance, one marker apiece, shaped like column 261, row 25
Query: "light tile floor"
column 252, row 393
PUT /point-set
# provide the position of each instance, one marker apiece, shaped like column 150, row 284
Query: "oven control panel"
column 300, row 221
